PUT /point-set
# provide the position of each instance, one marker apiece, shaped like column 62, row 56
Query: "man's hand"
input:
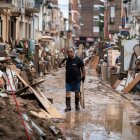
column 83, row 79
column 62, row 62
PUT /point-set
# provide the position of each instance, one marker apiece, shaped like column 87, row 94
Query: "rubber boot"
column 68, row 104
column 77, row 106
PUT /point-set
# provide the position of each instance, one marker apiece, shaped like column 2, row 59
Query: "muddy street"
column 107, row 115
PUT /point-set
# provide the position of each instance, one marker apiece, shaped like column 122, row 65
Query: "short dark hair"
column 70, row 48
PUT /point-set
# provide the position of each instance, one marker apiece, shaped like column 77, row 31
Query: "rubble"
column 121, row 69
column 11, row 125
column 21, row 101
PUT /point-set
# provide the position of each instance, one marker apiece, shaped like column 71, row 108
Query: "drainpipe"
column 33, row 26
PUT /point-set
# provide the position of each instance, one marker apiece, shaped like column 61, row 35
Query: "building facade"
column 133, row 15
column 112, row 19
column 90, row 19
column 76, row 17
column 19, row 19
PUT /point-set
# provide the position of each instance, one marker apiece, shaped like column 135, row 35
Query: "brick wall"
column 117, row 21
column 87, row 13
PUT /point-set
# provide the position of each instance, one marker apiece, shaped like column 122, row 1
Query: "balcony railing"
column 135, row 7
column 18, row 7
column 7, row 4
column 32, row 6
column 50, row 26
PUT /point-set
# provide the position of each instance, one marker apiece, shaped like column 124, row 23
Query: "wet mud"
column 107, row 116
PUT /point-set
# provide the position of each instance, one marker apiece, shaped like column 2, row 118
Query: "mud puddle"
column 100, row 123
column 107, row 116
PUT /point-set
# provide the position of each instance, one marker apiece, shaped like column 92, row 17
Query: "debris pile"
column 25, row 112
column 119, row 65
column 11, row 125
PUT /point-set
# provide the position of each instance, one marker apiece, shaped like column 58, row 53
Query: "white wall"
column 128, row 51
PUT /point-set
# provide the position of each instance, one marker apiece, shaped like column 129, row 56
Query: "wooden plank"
column 27, row 87
column 131, row 85
column 43, row 100
column 37, row 83
column 116, row 84
column 42, row 114
column 51, row 110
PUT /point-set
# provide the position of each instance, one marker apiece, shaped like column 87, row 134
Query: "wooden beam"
column 131, row 85
column 37, row 83
column 41, row 114
column 43, row 100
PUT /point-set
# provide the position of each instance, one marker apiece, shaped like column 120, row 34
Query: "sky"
column 63, row 4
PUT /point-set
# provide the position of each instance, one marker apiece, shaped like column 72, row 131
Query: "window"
column 96, row 29
column 96, row 18
column 112, row 12
column 96, row 7
column 112, row 15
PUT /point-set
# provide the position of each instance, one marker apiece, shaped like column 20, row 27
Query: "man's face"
column 70, row 53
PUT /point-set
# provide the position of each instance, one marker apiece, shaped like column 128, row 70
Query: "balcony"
column 7, row 4
column 50, row 27
column 135, row 8
column 32, row 6
column 18, row 8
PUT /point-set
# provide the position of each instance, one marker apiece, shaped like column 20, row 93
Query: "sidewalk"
column 133, row 98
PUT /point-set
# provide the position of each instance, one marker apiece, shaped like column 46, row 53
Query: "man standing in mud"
column 75, row 73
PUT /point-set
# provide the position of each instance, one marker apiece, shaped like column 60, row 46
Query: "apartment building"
column 133, row 15
column 76, row 17
column 112, row 19
column 90, row 13
column 7, row 20
column 19, row 19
